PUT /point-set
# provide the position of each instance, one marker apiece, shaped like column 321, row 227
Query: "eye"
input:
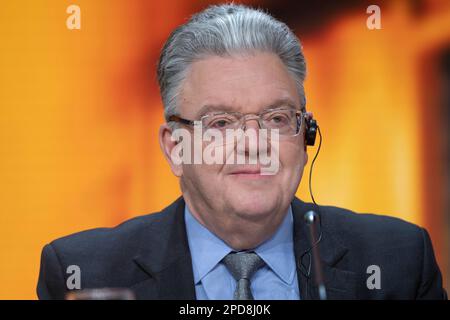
column 279, row 118
column 220, row 122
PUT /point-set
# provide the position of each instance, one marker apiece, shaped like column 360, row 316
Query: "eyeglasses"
column 287, row 121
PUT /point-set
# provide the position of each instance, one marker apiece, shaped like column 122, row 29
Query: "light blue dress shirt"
column 276, row 280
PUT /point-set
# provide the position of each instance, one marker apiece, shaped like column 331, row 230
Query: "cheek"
column 200, row 174
column 292, row 156
column 292, row 159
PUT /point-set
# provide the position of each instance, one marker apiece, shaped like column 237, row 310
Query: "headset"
column 311, row 131
column 312, row 128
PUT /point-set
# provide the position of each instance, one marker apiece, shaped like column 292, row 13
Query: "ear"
column 167, row 144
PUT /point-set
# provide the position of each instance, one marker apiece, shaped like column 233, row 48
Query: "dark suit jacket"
column 150, row 255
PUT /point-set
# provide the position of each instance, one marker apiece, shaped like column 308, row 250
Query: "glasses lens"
column 283, row 120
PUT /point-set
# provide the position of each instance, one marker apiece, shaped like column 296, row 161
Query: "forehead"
column 248, row 83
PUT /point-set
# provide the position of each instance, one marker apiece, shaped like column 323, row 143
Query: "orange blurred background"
column 80, row 112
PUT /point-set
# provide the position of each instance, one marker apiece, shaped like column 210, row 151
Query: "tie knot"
column 243, row 265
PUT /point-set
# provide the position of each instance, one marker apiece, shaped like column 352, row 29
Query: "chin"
column 254, row 204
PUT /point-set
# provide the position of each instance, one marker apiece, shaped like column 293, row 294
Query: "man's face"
column 247, row 84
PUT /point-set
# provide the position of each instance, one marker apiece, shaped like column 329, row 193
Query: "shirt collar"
column 278, row 251
column 207, row 250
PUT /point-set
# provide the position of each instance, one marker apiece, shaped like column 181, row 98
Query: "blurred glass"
column 101, row 294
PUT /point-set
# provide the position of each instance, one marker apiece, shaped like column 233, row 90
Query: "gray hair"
column 223, row 30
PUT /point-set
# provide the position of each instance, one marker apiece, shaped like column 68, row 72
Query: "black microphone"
column 311, row 219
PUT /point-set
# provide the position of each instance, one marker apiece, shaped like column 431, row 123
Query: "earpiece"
column 311, row 131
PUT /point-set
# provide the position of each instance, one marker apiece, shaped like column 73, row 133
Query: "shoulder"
column 369, row 224
column 122, row 239
column 395, row 246
column 104, row 257
column 367, row 231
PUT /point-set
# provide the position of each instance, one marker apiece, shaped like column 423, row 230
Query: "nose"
column 249, row 146
column 251, row 122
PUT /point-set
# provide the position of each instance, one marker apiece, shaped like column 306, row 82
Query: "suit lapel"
column 166, row 259
column 340, row 284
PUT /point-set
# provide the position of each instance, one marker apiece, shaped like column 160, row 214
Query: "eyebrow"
column 221, row 107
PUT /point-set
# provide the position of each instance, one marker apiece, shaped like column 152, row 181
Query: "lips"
column 249, row 171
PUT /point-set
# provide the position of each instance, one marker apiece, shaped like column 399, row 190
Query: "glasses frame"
column 300, row 114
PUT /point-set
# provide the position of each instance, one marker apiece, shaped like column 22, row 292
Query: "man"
column 237, row 233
